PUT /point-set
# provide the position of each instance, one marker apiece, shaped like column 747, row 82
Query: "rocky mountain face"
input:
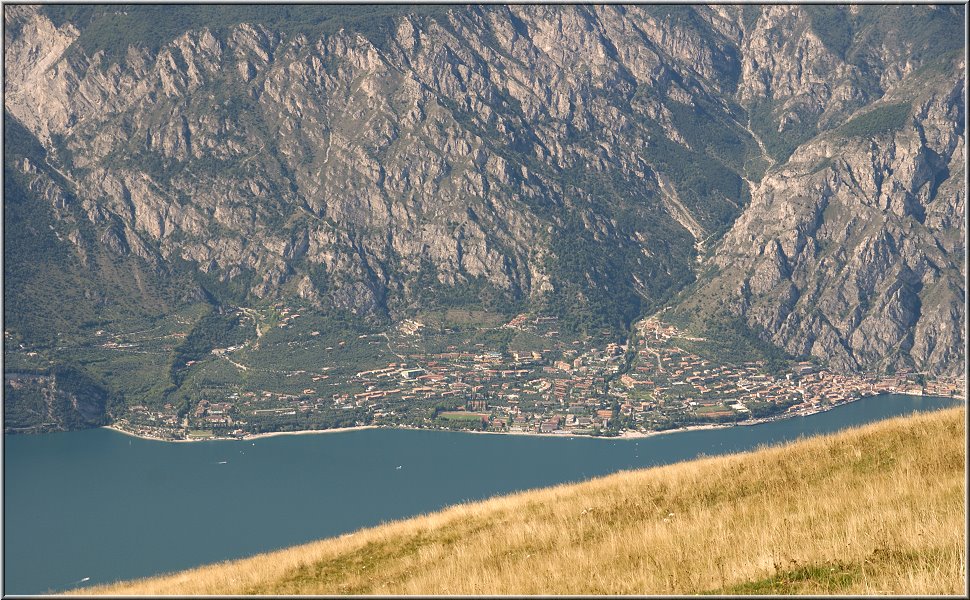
column 852, row 250
column 61, row 400
column 459, row 153
column 804, row 166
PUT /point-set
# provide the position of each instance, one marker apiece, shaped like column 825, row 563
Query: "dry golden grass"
column 879, row 509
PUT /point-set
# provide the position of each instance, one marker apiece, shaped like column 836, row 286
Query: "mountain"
column 792, row 514
column 852, row 249
column 789, row 174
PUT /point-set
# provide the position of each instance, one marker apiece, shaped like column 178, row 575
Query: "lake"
column 106, row 506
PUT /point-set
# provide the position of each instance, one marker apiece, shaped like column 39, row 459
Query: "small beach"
column 247, row 437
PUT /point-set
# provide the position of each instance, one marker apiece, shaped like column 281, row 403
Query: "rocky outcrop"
column 60, row 400
column 852, row 252
column 444, row 150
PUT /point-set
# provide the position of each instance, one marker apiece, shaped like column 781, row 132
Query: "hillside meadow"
column 875, row 510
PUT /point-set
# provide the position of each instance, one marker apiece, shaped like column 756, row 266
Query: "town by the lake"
column 648, row 385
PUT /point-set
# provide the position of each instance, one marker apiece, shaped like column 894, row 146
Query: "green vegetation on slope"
column 729, row 339
column 215, row 330
column 883, row 119
column 113, row 28
column 880, row 509
column 51, row 295
column 59, row 303
column 61, row 396
column 926, row 33
column 833, row 25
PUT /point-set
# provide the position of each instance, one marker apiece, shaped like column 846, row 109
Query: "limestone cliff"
column 852, row 250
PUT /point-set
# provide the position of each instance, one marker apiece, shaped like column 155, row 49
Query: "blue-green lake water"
column 106, row 506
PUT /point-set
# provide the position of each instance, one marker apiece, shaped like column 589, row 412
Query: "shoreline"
column 254, row 436
column 247, row 437
column 626, row 435
column 141, row 436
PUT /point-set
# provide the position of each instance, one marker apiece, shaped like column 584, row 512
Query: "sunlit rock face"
column 807, row 174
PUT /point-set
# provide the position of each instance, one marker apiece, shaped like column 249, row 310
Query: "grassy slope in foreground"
column 876, row 509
